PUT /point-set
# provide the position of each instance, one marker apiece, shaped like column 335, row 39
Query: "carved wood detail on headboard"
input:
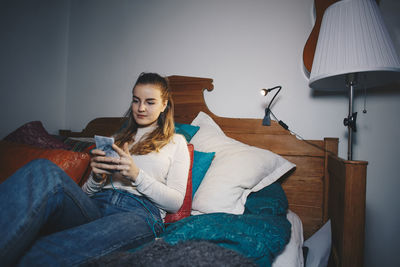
column 187, row 93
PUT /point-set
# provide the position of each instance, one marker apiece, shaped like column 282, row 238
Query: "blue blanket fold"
column 258, row 237
column 269, row 200
column 259, row 234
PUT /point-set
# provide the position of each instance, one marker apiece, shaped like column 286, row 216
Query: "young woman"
column 46, row 219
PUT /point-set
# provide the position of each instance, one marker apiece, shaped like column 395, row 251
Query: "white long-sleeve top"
column 162, row 175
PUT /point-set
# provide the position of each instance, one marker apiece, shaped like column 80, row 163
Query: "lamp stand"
column 350, row 121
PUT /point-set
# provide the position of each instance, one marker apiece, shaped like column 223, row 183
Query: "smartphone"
column 105, row 143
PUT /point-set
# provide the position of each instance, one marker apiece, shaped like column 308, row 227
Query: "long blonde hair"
column 164, row 131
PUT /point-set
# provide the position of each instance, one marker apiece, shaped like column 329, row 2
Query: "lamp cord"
column 286, row 127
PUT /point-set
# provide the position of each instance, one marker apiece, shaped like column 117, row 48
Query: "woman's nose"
column 142, row 107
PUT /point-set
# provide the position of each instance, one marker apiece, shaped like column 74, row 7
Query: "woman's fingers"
column 126, row 148
column 126, row 166
column 97, row 152
column 120, row 152
column 125, row 159
column 105, row 165
column 103, row 159
column 98, row 171
column 102, row 164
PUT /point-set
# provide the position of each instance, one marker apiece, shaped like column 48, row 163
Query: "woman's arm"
column 92, row 185
column 101, row 167
column 168, row 196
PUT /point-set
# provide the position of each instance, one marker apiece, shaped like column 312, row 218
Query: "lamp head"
column 264, row 91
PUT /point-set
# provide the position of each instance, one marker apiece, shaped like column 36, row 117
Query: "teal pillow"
column 201, row 163
column 201, row 160
column 187, row 130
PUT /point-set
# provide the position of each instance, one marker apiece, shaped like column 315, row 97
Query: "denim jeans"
column 47, row 220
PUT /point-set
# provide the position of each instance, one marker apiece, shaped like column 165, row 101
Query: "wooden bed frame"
column 322, row 186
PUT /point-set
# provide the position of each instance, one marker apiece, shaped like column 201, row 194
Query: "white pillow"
column 236, row 170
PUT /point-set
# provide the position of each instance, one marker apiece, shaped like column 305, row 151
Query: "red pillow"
column 186, row 208
column 85, row 176
column 14, row 155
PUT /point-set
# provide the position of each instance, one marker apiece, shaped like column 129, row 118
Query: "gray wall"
column 33, row 69
column 66, row 62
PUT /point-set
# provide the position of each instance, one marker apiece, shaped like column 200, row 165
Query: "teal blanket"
column 260, row 233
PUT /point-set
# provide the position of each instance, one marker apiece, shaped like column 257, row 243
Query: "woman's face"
column 147, row 104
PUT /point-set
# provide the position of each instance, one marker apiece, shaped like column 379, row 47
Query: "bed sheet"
column 292, row 255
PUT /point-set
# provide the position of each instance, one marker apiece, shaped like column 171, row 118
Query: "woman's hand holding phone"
column 104, row 159
column 127, row 166
column 108, row 158
column 102, row 165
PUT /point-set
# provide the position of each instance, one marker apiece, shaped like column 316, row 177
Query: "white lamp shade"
column 353, row 39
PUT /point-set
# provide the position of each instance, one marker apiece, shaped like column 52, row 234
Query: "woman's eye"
column 151, row 103
column 135, row 100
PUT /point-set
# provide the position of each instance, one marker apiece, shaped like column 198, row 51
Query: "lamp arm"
column 277, row 92
column 267, row 120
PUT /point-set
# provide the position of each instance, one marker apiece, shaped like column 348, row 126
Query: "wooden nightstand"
column 347, row 210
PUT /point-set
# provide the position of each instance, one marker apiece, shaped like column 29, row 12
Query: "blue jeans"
column 47, row 220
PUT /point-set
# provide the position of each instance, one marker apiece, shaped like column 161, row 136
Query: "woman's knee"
column 41, row 172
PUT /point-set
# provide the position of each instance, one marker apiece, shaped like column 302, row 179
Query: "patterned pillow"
column 80, row 144
column 33, row 133
column 14, row 155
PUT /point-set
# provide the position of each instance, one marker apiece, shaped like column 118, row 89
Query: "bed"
column 322, row 188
